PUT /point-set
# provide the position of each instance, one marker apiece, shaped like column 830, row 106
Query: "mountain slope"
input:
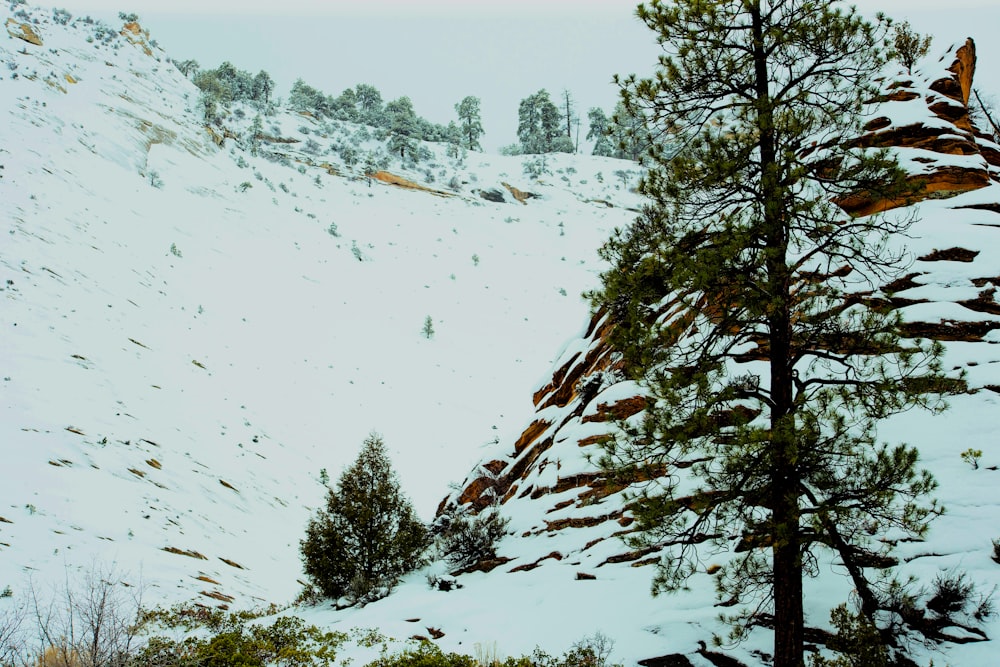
column 186, row 342
column 191, row 332
column 567, row 518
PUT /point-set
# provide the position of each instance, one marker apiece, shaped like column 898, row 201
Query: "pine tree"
column 263, row 87
column 909, row 46
column 256, row 130
column 738, row 297
column 402, row 128
column 368, row 535
column 538, row 124
column 369, row 101
column 470, row 122
column 598, row 132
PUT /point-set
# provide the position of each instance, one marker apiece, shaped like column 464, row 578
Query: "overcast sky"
column 438, row 51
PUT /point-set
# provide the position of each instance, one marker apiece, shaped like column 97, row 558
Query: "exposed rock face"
column 135, row 34
column 519, row 195
column 399, row 181
column 946, row 131
column 23, row 31
column 541, row 472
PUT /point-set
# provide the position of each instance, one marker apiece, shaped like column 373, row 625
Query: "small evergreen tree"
column 908, row 46
column 470, row 123
column 598, row 131
column 428, row 330
column 538, row 123
column 256, row 130
column 402, row 128
column 368, row 535
column 263, row 88
column 369, row 101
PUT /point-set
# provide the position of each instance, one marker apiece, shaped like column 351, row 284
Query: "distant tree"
column 186, row 67
column 369, row 101
column 428, row 330
column 471, row 124
column 454, row 139
column 304, row 97
column 368, row 534
column 213, row 87
column 908, row 46
column 598, row 132
column 629, row 134
column 569, row 114
column 239, row 83
column 262, row 88
column 403, row 131
column 345, row 106
column 538, row 123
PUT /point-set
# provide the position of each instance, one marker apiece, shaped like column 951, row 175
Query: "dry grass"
column 182, row 552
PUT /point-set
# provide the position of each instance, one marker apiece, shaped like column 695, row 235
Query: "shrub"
column 425, row 654
column 287, row 641
column 972, row 456
column 466, row 540
column 951, row 594
column 368, row 535
column 857, row 641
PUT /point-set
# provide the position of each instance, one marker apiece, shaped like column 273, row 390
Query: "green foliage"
column 428, row 330
column 536, row 166
column 287, row 642
column 368, row 535
column 227, row 84
column 952, row 592
column 599, row 132
column 730, row 296
column 908, row 46
column 591, row 651
column 539, row 124
column 972, row 456
column 630, row 135
column 857, row 641
column 424, row 654
column 465, row 540
column 471, row 126
column 403, row 132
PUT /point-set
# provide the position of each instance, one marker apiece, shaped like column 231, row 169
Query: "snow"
column 227, row 336
column 178, row 363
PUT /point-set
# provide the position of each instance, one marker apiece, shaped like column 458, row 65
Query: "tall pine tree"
column 470, row 123
column 739, row 297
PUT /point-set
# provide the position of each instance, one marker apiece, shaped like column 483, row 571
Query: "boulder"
column 23, row 31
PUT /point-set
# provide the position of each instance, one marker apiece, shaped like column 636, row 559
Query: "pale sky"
column 438, row 51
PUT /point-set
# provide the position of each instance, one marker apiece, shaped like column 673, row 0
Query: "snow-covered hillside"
column 563, row 572
column 191, row 333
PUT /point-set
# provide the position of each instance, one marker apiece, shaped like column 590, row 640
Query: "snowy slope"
column 185, row 344
column 562, row 572
column 182, row 353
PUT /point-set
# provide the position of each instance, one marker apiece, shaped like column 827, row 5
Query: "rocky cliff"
column 548, row 477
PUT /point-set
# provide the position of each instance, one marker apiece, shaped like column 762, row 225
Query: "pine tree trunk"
column 784, row 482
